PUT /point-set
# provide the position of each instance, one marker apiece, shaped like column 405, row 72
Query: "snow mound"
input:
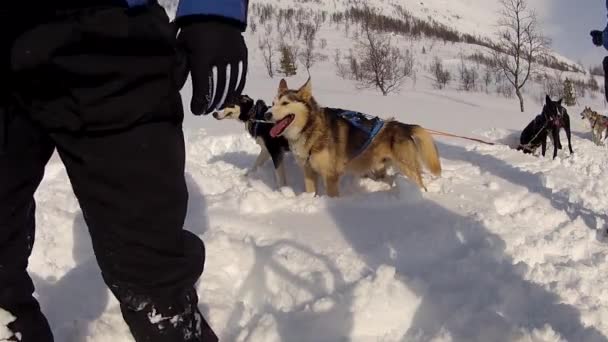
column 5, row 319
column 505, row 246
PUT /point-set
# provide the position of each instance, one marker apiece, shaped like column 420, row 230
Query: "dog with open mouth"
column 327, row 144
column 272, row 146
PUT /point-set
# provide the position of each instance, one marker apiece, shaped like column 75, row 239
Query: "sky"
column 568, row 23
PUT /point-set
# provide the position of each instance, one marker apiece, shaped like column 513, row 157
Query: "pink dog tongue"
column 279, row 127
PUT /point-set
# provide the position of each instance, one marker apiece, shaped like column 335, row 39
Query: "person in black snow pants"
column 600, row 38
column 98, row 81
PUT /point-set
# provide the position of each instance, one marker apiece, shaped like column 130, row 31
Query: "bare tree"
column 580, row 88
column 287, row 62
column 355, row 66
column 341, row 69
column 520, row 44
column 267, row 48
column 308, row 57
column 487, row 77
column 570, row 94
column 442, row 76
column 347, row 67
column 592, row 84
column 408, row 64
column 381, row 64
column 553, row 84
column 596, row 70
column 505, row 90
column 468, row 76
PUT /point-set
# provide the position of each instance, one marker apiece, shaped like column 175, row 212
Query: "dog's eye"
column 284, row 103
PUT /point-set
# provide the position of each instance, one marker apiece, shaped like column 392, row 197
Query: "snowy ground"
column 503, row 247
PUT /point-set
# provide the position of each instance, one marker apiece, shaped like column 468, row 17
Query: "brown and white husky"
column 323, row 142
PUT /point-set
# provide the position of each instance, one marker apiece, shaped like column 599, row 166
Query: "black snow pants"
column 99, row 85
column 605, row 65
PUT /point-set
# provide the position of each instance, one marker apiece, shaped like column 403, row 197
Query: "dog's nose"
column 215, row 115
column 268, row 116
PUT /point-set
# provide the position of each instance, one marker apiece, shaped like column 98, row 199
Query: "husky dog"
column 598, row 123
column 548, row 123
column 244, row 110
column 328, row 145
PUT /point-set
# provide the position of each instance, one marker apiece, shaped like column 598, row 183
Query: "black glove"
column 213, row 44
column 597, row 37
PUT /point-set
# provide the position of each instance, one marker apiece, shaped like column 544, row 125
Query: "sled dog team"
column 553, row 118
column 328, row 143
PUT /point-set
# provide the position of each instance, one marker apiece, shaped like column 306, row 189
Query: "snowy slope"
column 503, row 247
column 475, row 17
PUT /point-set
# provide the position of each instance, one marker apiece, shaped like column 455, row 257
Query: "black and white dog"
column 553, row 118
column 244, row 110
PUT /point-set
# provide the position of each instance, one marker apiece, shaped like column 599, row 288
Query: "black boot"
column 151, row 321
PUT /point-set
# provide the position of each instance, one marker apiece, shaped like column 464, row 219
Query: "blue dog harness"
column 370, row 125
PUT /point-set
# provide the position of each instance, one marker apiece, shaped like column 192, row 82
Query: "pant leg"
column 22, row 164
column 133, row 195
column 104, row 83
column 605, row 64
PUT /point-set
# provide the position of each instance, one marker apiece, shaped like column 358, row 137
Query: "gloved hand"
column 597, row 37
column 216, row 59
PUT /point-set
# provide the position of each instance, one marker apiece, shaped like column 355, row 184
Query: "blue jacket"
column 231, row 9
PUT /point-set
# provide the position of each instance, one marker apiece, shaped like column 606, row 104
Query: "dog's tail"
column 427, row 150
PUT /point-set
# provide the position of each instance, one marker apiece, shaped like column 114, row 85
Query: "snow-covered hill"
column 503, row 247
column 467, row 16
column 477, row 18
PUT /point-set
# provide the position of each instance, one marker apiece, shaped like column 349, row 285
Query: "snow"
column 5, row 332
column 503, row 247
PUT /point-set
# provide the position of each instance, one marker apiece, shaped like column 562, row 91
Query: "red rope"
column 458, row 136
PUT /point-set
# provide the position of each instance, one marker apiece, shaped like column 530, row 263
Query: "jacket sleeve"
column 231, row 9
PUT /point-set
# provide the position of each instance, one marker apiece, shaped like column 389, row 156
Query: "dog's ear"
column 245, row 98
column 283, row 86
column 559, row 102
column 245, row 101
column 548, row 100
column 260, row 107
column 305, row 92
column 246, row 104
